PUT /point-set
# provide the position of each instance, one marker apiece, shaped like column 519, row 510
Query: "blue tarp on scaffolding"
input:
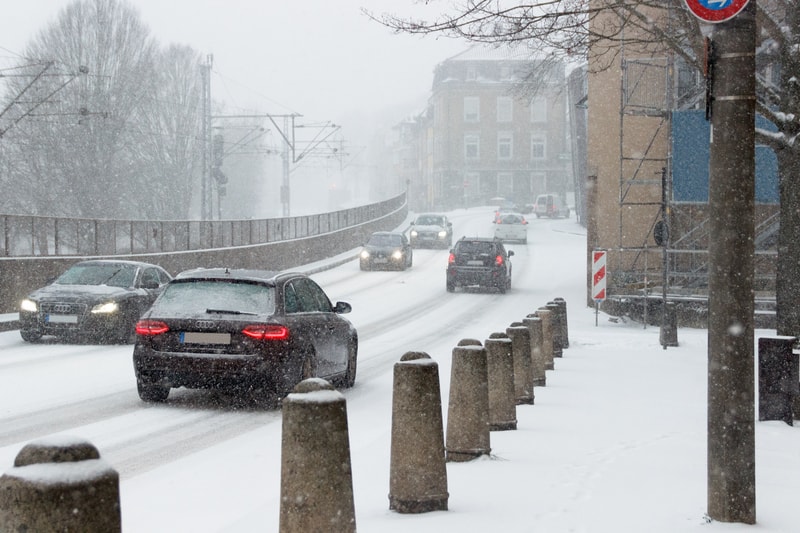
column 690, row 152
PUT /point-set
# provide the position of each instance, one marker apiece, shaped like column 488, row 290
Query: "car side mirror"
column 342, row 308
column 510, row 253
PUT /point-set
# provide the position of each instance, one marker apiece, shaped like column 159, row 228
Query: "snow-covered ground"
column 615, row 442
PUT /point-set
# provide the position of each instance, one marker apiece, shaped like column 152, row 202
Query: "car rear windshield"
column 198, row 296
column 476, row 247
column 104, row 274
column 511, row 219
column 384, row 240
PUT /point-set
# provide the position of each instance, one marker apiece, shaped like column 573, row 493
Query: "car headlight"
column 28, row 305
column 397, row 254
column 364, row 254
column 442, row 234
column 414, row 233
column 108, row 307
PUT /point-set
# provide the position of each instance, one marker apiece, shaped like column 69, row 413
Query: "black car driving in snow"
column 93, row 300
column 479, row 261
column 386, row 250
column 253, row 331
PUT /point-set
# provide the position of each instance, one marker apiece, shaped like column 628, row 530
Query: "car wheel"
column 352, row 363
column 525, row 240
column 151, row 391
column 451, row 286
column 30, row 335
column 309, row 369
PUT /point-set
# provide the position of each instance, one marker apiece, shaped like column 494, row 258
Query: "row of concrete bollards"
column 61, row 484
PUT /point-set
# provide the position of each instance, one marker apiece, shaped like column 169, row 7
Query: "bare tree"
column 118, row 141
column 572, row 29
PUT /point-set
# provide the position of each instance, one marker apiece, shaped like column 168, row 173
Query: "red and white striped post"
column 598, row 279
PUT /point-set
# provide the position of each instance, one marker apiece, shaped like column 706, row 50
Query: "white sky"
column 322, row 59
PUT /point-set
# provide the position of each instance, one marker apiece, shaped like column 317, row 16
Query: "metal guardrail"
column 32, row 236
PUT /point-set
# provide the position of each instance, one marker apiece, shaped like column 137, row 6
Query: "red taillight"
column 498, row 260
column 151, row 327
column 451, row 259
column 266, row 332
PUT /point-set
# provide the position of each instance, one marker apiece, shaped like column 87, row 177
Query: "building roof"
column 495, row 53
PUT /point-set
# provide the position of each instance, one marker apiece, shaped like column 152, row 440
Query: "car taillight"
column 498, row 260
column 151, row 327
column 451, row 259
column 266, row 332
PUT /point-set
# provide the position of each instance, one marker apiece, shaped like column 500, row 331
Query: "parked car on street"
column 97, row 300
column 479, row 261
column 431, row 231
column 386, row 250
column 511, row 227
column 550, row 205
column 251, row 331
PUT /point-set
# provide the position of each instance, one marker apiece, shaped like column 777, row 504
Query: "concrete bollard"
column 538, row 364
column 547, row 336
column 468, row 409
column 316, row 477
column 562, row 304
column 500, row 368
column 555, row 315
column 418, row 475
column 523, row 364
column 60, row 484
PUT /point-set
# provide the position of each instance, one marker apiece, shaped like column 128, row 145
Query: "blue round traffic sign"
column 715, row 10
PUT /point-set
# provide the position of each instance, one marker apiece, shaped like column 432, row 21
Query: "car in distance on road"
column 249, row 331
column 386, row 250
column 430, row 230
column 511, row 227
column 479, row 261
column 550, row 205
column 93, row 300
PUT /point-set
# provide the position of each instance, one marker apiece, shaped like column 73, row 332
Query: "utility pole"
column 205, row 133
column 731, row 382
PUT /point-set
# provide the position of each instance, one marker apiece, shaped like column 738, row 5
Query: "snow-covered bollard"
column 523, row 367
column 468, row 408
column 555, row 314
column 60, row 484
column 500, row 368
column 538, row 364
column 562, row 304
column 418, row 475
column 316, row 476
column 547, row 336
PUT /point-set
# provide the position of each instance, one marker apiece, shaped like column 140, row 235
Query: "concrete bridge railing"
column 272, row 244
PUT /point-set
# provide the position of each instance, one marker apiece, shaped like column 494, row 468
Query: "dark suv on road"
column 479, row 261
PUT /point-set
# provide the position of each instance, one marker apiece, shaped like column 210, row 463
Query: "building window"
column 504, row 108
column 538, row 147
column 505, row 145
column 472, row 109
column 472, row 146
column 539, row 109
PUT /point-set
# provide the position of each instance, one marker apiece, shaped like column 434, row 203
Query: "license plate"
column 61, row 319
column 380, row 260
column 475, row 263
column 194, row 337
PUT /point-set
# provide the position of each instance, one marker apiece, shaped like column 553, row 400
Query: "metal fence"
column 27, row 236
